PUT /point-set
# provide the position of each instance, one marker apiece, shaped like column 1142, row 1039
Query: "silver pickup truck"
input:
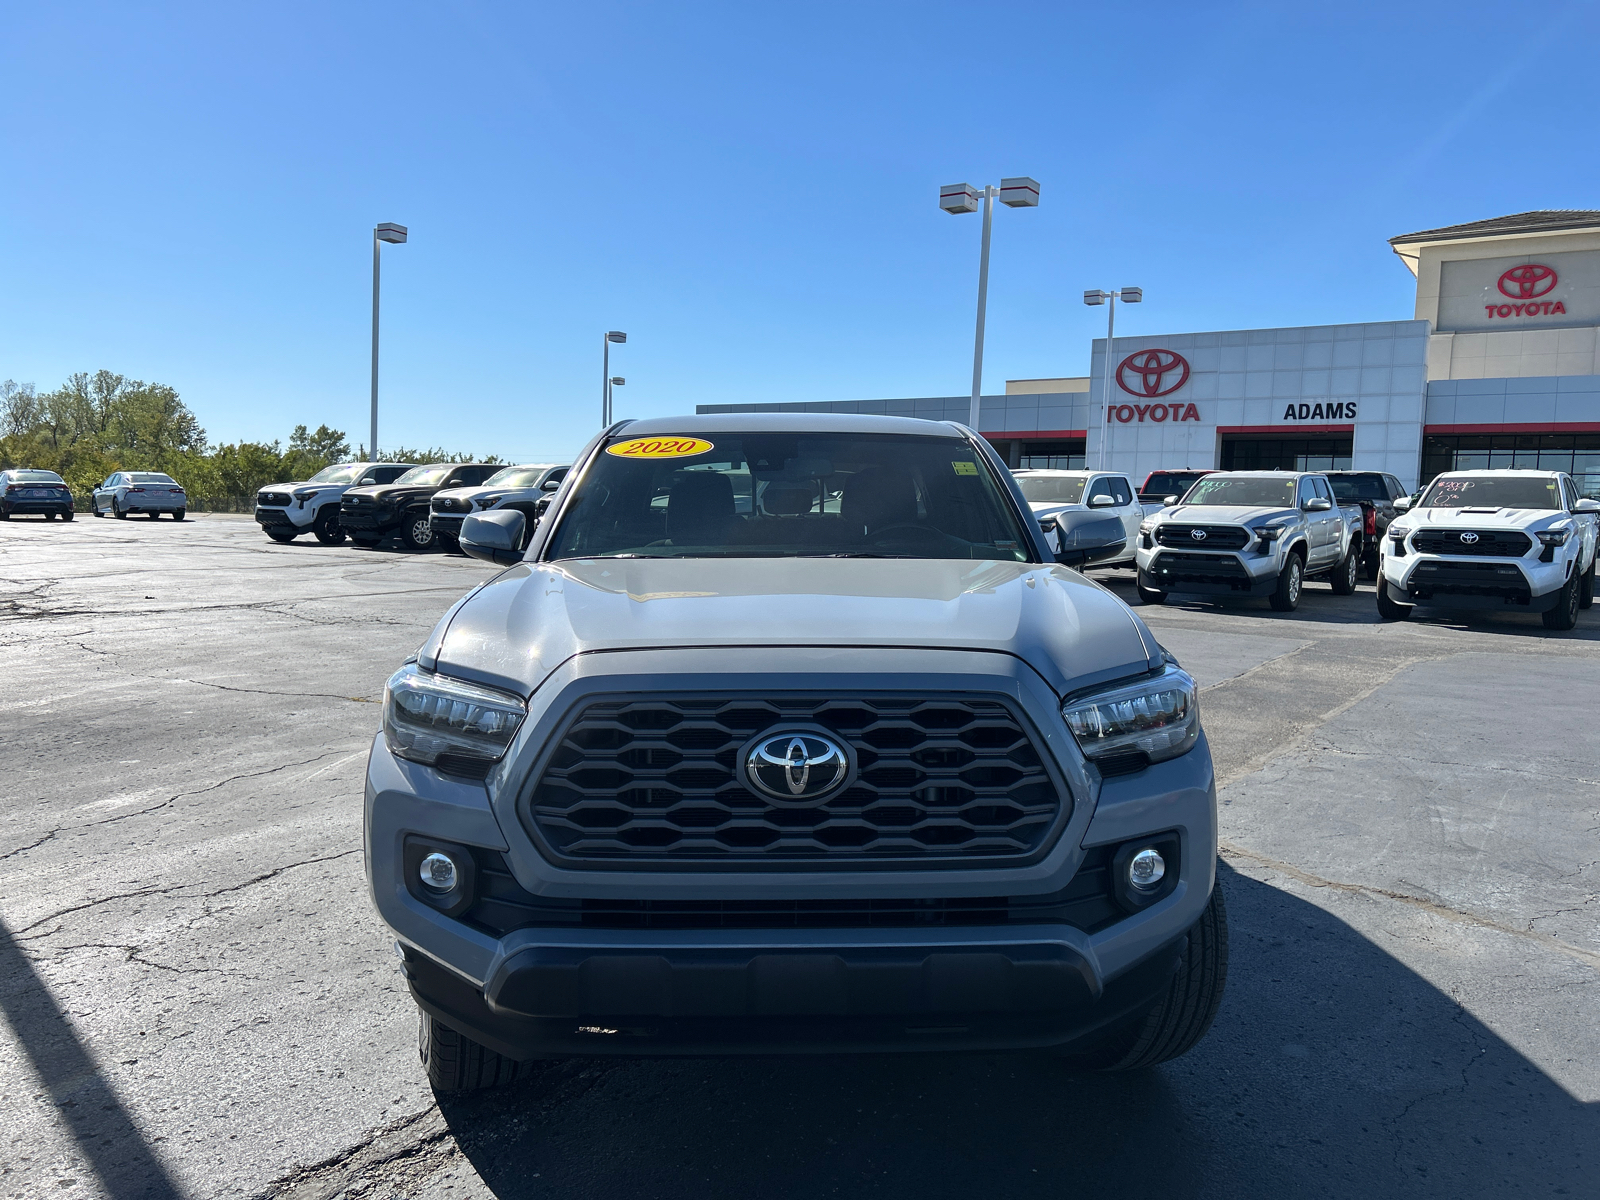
column 1251, row 533
column 788, row 733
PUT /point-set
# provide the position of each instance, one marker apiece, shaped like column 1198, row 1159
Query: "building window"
column 1286, row 454
column 1066, row 455
column 1578, row 454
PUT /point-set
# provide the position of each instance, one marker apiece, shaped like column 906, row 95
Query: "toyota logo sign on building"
column 1151, row 373
column 1528, row 282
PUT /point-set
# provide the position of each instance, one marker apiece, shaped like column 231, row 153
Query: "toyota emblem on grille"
column 1198, row 535
column 796, row 768
column 1469, row 537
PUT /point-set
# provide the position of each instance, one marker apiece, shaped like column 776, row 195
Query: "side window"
column 1120, row 491
column 1307, row 491
column 390, row 474
column 1323, row 490
column 1569, row 492
column 557, row 475
column 1395, row 490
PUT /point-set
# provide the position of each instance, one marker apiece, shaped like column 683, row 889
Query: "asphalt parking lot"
column 199, row 1001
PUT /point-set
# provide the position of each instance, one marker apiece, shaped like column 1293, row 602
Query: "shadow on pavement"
column 1333, row 1070
column 112, row 1145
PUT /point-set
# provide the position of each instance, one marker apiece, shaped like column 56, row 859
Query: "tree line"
column 95, row 424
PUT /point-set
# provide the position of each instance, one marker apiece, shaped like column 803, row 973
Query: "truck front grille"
column 1216, row 537
column 276, row 499
column 501, row 905
column 655, row 780
column 1432, row 579
column 1477, row 543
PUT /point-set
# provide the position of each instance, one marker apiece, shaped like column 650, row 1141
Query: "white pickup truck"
column 1065, row 494
column 1501, row 541
column 1251, row 533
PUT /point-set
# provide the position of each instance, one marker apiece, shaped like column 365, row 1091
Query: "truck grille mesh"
column 1481, row 543
column 657, row 779
column 1216, row 537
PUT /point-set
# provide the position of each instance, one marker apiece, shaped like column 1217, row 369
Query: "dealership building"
column 1499, row 366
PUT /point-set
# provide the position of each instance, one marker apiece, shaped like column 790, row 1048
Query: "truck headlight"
column 1554, row 537
column 427, row 716
column 1127, row 727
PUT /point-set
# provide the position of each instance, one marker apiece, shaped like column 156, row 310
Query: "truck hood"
column 1224, row 514
column 1482, row 518
column 393, row 493
column 522, row 625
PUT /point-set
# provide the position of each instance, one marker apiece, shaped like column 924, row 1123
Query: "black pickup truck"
column 370, row 514
column 1375, row 492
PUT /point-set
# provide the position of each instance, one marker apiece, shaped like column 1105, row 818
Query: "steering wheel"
column 879, row 536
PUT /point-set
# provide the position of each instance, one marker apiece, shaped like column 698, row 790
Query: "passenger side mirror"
column 1101, row 500
column 494, row 536
column 1087, row 539
column 1169, row 501
column 549, row 485
column 1586, row 505
column 1318, row 504
column 1402, row 504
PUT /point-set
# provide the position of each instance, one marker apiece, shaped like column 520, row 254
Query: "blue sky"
column 750, row 191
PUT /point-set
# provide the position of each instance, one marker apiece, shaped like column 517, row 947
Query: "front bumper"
column 544, row 991
column 369, row 520
column 447, row 523
column 1204, row 573
column 1479, row 584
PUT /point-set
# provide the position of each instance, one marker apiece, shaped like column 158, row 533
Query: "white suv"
column 1501, row 541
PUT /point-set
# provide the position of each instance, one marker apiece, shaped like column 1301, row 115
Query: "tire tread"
column 456, row 1063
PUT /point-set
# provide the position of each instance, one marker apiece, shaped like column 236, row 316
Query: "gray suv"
column 793, row 733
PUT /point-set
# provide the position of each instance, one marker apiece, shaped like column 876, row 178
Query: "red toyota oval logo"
column 1528, row 281
column 1148, row 371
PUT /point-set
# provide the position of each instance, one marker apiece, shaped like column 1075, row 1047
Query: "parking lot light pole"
column 1018, row 192
column 395, row 235
column 1129, row 295
column 605, row 374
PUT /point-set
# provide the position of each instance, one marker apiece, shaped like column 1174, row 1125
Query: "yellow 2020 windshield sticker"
column 660, row 447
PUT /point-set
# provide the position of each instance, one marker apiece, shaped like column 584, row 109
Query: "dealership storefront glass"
column 1061, row 455
column 1286, row 454
column 1578, row 454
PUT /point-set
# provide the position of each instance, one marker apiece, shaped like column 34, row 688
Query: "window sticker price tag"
column 660, row 447
column 965, row 468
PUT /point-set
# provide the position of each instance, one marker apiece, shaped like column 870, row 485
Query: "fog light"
column 1145, row 869
column 439, row 872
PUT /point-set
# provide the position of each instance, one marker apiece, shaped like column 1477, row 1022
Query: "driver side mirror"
column 1402, row 504
column 1101, row 500
column 1087, row 540
column 1317, row 504
column 549, row 485
column 1169, row 501
column 494, row 536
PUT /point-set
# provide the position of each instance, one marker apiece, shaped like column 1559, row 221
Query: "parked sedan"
column 522, row 488
column 147, row 492
column 28, row 491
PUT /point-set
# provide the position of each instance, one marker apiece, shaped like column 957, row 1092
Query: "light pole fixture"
column 395, row 235
column 1018, row 192
column 1128, row 295
column 606, row 381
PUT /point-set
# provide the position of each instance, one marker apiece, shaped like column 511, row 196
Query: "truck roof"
column 1510, row 472
column 789, row 422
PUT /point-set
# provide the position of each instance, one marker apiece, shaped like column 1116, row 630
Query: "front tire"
column 1175, row 1025
column 1565, row 614
column 456, row 1063
column 416, row 533
column 1291, row 581
column 1148, row 595
column 326, row 527
column 1388, row 608
column 367, row 541
column 448, row 543
column 283, row 539
column 1586, row 587
column 1345, row 574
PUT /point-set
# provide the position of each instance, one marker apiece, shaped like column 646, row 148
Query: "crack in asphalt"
column 1587, row 957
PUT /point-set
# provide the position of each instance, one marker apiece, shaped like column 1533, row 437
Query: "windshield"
column 1051, row 489
column 768, row 495
column 516, row 477
column 344, row 473
column 1244, row 492
column 426, row 475
column 1491, row 491
column 1163, row 484
column 33, row 477
column 151, row 477
column 1347, row 488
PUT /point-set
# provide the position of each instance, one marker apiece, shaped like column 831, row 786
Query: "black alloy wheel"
column 326, row 527
column 1565, row 614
